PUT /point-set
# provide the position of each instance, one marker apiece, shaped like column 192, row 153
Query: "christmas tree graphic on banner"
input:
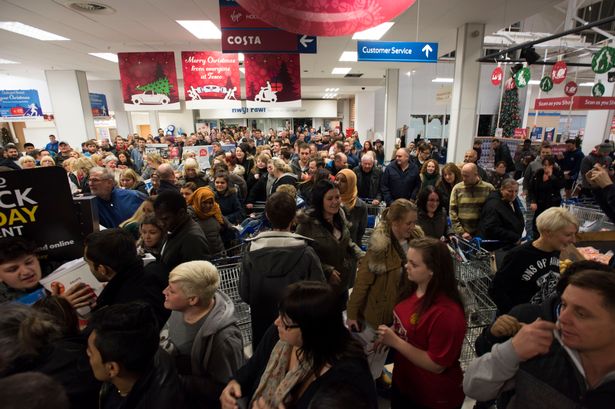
column 149, row 81
column 273, row 79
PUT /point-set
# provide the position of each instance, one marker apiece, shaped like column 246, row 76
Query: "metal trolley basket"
column 590, row 218
column 373, row 216
column 474, row 272
column 229, row 269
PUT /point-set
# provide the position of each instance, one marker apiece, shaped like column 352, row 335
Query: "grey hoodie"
column 217, row 351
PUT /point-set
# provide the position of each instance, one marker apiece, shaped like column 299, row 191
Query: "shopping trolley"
column 373, row 217
column 474, row 273
column 229, row 269
column 591, row 218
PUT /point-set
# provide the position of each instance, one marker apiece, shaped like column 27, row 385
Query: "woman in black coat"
column 228, row 199
column 501, row 217
column 545, row 190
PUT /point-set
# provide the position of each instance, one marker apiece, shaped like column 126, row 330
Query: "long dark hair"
column 318, row 194
column 437, row 258
column 314, row 306
column 421, row 201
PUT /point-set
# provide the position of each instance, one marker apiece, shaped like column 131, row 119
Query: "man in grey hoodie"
column 273, row 260
column 201, row 334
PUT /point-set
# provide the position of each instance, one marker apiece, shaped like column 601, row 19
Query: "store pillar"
column 465, row 90
column 154, row 122
column 598, row 124
column 72, row 111
column 365, row 118
column 390, row 111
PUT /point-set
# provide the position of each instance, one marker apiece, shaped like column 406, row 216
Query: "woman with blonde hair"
column 192, row 173
column 47, row 161
column 27, row 162
column 129, row 179
column 132, row 224
column 283, row 174
column 204, row 209
column 355, row 208
column 377, row 286
column 152, row 160
column 81, row 169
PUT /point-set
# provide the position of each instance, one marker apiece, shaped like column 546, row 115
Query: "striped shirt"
column 466, row 204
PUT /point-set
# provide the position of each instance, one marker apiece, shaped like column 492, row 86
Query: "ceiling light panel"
column 201, row 29
column 29, row 31
column 349, row 56
column 106, row 56
column 340, row 70
column 374, row 33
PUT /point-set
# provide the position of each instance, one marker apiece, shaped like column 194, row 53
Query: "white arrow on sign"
column 427, row 49
column 304, row 41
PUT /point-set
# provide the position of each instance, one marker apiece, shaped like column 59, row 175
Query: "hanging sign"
column 273, row 79
column 149, row 81
column 571, row 88
column 510, row 84
column 328, row 18
column 100, row 109
column 497, row 75
column 598, row 89
column 397, row 51
column 546, row 84
column 603, row 60
column 522, row 77
column 211, row 79
column 19, row 104
column 581, row 103
column 559, row 71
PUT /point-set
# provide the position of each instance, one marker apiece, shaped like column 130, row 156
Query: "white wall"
column 365, row 105
column 113, row 91
column 380, row 102
column 180, row 119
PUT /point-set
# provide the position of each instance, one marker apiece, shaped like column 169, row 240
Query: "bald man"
column 400, row 178
column 467, row 200
column 167, row 178
column 471, row 156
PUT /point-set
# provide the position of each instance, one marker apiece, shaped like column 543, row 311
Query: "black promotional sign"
column 37, row 204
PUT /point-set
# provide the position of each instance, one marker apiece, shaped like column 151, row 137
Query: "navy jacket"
column 396, row 183
column 123, row 204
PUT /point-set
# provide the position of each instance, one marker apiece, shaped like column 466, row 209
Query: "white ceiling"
column 149, row 25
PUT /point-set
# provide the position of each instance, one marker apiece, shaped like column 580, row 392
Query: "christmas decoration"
column 603, row 60
column 546, row 84
column 496, row 76
column 522, row 77
column 509, row 113
column 598, row 89
column 510, row 84
column 559, row 71
column 273, row 78
column 160, row 86
column 326, row 18
column 571, row 88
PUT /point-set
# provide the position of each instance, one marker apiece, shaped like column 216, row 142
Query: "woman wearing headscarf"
column 206, row 212
column 355, row 208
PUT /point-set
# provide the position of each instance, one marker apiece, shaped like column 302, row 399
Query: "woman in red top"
column 427, row 333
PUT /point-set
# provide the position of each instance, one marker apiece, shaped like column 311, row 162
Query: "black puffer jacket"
column 500, row 221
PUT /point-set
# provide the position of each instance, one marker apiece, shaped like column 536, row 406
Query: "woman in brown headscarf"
column 355, row 208
column 206, row 212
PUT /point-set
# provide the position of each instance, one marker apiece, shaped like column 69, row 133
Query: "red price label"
column 571, row 88
column 17, row 111
column 496, row 76
column 559, row 71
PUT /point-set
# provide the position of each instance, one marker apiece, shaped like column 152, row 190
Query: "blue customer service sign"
column 395, row 51
column 19, row 104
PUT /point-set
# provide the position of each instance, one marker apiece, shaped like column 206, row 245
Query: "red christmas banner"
column 273, row 79
column 578, row 103
column 211, row 80
column 149, row 81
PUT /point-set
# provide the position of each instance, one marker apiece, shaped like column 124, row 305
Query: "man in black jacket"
column 502, row 154
column 112, row 257
column 122, row 349
column 501, row 217
column 603, row 189
column 185, row 238
column 400, row 178
column 368, row 179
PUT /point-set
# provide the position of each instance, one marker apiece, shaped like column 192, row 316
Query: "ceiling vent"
column 90, row 7
column 352, row 75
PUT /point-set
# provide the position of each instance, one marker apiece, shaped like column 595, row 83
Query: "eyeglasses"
column 287, row 326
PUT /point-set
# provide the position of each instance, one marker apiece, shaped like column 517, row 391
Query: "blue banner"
column 19, row 104
column 395, row 51
column 99, row 105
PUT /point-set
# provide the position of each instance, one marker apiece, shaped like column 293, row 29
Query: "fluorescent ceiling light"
column 243, row 70
column 374, row 33
column 201, row 29
column 534, row 82
column 332, row 89
column 106, row 56
column 587, row 84
column 241, row 57
column 340, row 71
column 29, row 31
column 443, row 80
column 349, row 56
column 3, row 61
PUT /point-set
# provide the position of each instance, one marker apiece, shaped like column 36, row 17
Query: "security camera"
column 363, row 88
